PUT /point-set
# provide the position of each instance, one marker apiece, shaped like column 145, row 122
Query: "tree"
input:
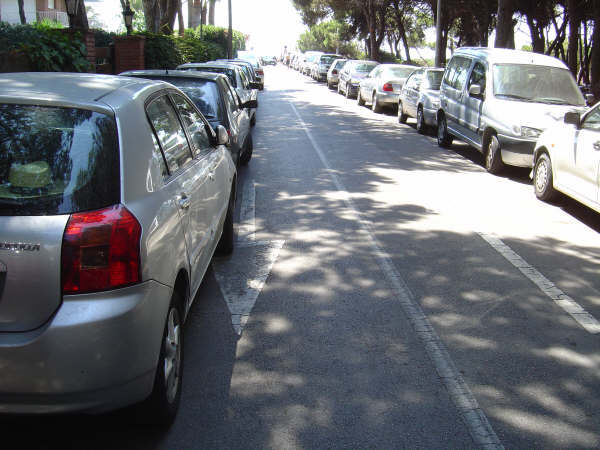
column 574, row 15
column 22, row 12
column 505, row 32
column 595, row 57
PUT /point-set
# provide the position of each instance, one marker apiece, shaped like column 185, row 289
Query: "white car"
column 567, row 159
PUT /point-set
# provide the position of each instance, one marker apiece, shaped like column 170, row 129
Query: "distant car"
column 257, row 75
column 246, row 89
column 334, row 71
column 381, row 87
column 353, row 72
column 213, row 95
column 420, row 98
column 269, row 60
column 115, row 194
column 567, row 159
column 321, row 66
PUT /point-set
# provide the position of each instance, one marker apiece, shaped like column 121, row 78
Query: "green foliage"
column 218, row 36
column 161, row 51
column 47, row 47
column 331, row 36
column 103, row 38
column 195, row 50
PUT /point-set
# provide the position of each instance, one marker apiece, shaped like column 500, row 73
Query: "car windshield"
column 400, row 72
column 534, row 83
column 364, row 67
column 434, row 79
column 56, row 160
column 204, row 94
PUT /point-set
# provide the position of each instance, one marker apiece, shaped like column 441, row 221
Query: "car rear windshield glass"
column 56, row 160
column 204, row 94
column 364, row 67
column 535, row 83
column 435, row 79
column 401, row 72
column 340, row 64
column 328, row 59
column 230, row 73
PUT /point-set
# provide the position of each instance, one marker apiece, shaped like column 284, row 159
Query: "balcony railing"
column 56, row 16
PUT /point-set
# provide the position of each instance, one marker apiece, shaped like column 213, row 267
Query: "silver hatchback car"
column 114, row 194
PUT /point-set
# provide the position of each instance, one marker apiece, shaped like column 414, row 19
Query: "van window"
column 535, row 83
column 477, row 76
column 457, row 71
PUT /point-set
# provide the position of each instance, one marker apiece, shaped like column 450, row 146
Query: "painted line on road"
column 570, row 306
column 246, row 230
column 477, row 423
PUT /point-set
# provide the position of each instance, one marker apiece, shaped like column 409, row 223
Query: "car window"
column 592, row 120
column 457, row 71
column 169, row 132
column 195, row 125
column 230, row 73
column 245, row 82
column 400, row 72
column 477, row 76
column 57, row 160
column 434, row 79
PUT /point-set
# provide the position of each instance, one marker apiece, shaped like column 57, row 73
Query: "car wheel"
column 347, row 92
column 161, row 407
column 444, row 139
column 375, row 105
column 359, row 99
column 421, row 127
column 401, row 116
column 339, row 88
column 245, row 158
column 543, row 179
column 329, row 85
column 253, row 120
column 226, row 242
column 493, row 160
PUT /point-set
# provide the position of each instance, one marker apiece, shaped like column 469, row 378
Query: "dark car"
column 217, row 100
column 257, row 72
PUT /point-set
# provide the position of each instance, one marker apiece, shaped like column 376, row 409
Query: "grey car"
column 218, row 102
column 420, row 98
column 351, row 75
column 321, row 66
column 334, row 72
column 245, row 88
column 115, row 194
column 381, row 87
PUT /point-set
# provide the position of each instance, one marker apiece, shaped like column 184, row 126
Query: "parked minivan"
column 500, row 100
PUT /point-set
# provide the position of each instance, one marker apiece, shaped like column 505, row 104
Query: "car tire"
column 444, row 139
column 421, row 126
column 359, row 99
column 401, row 116
column 375, row 105
column 329, row 85
column 493, row 158
column 253, row 120
column 248, row 148
column 347, row 92
column 162, row 405
column 543, row 183
column 226, row 242
column 339, row 87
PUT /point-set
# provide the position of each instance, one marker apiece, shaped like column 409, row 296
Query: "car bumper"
column 323, row 76
column 352, row 88
column 388, row 98
column 333, row 79
column 515, row 151
column 98, row 352
column 430, row 116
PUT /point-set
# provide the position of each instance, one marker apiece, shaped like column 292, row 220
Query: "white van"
column 500, row 100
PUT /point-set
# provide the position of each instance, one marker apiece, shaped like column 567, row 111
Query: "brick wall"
column 129, row 53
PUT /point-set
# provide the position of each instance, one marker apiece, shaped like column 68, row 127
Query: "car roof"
column 399, row 66
column 70, row 89
column 505, row 55
column 211, row 76
column 225, row 65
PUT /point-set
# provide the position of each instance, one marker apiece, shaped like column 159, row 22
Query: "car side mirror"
column 250, row 104
column 573, row 118
column 222, row 135
column 589, row 99
column 475, row 90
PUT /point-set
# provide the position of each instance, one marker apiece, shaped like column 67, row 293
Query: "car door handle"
column 597, row 145
column 183, row 201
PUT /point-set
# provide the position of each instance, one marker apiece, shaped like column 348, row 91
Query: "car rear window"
column 56, row 160
column 224, row 70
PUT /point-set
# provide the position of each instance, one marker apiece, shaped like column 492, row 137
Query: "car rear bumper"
column 516, row 152
column 388, row 98
column 98, row 352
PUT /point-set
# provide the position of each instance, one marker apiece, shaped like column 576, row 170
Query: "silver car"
column 321, row 66
column 334, row 72
column 115, row 193
column 354, row 71
column 420, row 98
column 381, row 87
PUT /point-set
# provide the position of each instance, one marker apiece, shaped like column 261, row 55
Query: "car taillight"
column 260, row 72
column 387, row 87
column 334, row 72
column 100, row 250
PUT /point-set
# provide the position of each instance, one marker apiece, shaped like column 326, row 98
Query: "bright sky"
column 271, row 24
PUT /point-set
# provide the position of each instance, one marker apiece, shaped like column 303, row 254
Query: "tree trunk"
column 152, row 12
column 80, row 20
column 573, row 44
column 211, row 11
column 22, row 12
column 538, row 42
column 180, row 18
column 595, row 58
column 505, row 33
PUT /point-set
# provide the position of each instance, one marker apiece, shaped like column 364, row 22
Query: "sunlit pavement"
column 372, row 302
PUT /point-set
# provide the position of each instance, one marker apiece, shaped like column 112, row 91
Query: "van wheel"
column 162, row 405
column 401, row 116
column 359, row 99
column 347, row 92
column 543, row 179
column 375, row 105
column 339, row 88
column 421, row 127
column 493, row 159
column 444, row 139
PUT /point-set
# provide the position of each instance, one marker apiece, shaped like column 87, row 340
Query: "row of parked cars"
column 115, row 192
column 517, row 108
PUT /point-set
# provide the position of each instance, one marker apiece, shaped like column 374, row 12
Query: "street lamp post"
column 128, row 14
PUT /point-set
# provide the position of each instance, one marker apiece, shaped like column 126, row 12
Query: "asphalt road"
column 384, row 293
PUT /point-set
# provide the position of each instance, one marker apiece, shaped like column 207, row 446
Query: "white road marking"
column 242, row 276
column 570, row 306
column 477, row 423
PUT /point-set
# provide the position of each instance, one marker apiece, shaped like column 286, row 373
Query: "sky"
column 271, row 24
